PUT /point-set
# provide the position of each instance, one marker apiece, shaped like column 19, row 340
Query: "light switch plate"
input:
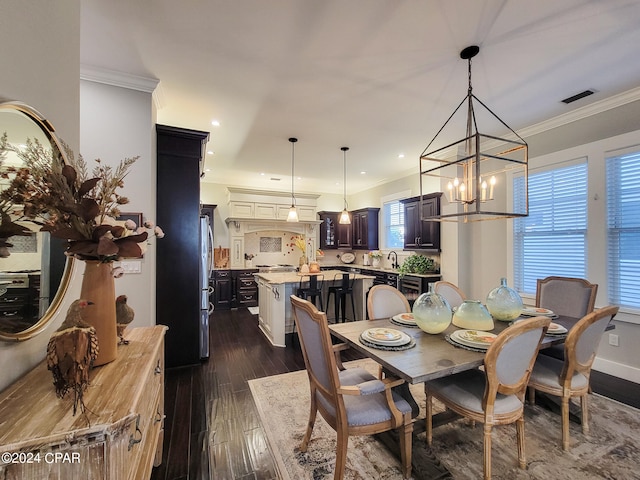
column 131, row 266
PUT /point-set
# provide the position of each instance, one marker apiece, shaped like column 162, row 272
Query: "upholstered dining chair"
column 352, row 401
column 573, row 297
column 451, row 292
column 385, row 301
column 570, row 378
column 496, row 395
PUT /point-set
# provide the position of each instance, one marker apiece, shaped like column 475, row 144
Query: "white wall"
column 40, row 55
column 118, row 123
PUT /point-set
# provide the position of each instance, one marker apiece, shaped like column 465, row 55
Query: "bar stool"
column 311, row 289
column 340, row 293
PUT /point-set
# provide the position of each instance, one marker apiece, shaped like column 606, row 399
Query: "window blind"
column 552, row 239
column 393, row 224
column 623, row 229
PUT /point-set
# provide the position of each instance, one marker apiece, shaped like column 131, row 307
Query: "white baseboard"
column 617, row 369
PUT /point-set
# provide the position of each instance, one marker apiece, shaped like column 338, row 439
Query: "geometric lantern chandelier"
column 483, row 177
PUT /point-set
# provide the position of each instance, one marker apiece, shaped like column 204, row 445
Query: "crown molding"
column 118, row 79
column 583, row 112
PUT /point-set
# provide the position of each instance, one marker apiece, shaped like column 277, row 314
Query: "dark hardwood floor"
column 216, row 393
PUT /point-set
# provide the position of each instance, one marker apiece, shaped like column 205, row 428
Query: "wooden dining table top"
column 433, row 356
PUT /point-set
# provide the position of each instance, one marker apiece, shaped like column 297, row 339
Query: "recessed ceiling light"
column 262, row 173
column 215, row 123
column 210, row 152
column 401, row 155
column 363, row 173
column 207, row 169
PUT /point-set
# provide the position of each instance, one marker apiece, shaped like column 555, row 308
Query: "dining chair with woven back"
column 451, row 292
column 385, row 301
column 352, row 401
column 494, row 395
column 569, row 378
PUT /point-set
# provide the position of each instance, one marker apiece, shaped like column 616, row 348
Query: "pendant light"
column 293, row 214
column 481, row 164
column 345, row 218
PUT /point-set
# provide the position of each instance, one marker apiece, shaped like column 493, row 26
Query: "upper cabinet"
column 360, row 234
column 418, row 234
column 328, row 230
column 364, row 224
column 332, row 233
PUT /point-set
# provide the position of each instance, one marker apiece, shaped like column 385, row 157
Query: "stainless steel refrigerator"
column 206, row 268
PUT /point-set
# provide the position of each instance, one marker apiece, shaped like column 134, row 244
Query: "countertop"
column 383, row 270
column 293, row 277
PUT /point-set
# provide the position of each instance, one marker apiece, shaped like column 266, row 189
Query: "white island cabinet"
column 274, row 305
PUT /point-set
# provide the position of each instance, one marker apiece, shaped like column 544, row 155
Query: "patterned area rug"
column 610, row 451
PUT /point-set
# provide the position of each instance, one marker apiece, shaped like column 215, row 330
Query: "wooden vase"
column 98, row 287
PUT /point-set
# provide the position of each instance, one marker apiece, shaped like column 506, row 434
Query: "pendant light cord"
column 293, row 147
column 344, row 162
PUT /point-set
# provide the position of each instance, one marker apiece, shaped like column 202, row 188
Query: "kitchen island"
column 274, row 307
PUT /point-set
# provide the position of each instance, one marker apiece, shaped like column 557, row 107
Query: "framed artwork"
column 136, row 217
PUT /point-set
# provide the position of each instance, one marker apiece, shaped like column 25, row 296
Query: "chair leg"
column 341, row 452
column 487, row 451
column 353, row 307
column 565, row 422
column 532, row 396
column 584, row 406
column 313, row 410
column 428, row 419
column 336, row 302
column 406, row 441
column 522, row 457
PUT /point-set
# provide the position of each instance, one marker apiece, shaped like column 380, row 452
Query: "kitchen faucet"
column 394, row 264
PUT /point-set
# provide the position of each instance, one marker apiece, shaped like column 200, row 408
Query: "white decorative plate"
column 386, row 336
column 347, row 257
column 474, row 338
column 535, row 312
column 406, row 318
column 556, row 329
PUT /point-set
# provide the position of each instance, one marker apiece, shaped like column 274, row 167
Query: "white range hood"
column 252, row 211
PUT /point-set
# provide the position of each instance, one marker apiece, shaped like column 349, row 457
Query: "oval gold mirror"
column 34, row 271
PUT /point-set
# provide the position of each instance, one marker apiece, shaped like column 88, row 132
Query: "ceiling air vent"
column 578, row 96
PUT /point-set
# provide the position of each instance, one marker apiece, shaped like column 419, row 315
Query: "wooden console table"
column 119, row 436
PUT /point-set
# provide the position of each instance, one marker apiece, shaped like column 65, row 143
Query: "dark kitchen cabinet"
column 222, row 289
column 245, row 293
column 419, row 235
column 344, row 234
column 180, row 153
column 328, row 230
column 364, row 223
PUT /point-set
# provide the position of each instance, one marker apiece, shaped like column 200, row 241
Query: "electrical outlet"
column 613, row 340
column 131, row 266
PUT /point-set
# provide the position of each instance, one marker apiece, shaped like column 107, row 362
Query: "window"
column 552, row 239
column 623, row 229
column 393, row 222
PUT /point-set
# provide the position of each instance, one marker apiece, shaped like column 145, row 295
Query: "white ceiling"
column 378, row 76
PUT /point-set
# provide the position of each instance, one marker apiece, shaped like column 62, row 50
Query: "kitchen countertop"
column 382, row 270
column 293, row 277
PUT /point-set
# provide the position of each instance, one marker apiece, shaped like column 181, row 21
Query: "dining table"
column 429, row 356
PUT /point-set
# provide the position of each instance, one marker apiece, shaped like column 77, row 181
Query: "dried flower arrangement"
column 298, row 241
column 74, row 204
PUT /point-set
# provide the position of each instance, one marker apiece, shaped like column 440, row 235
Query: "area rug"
column 610, row 451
